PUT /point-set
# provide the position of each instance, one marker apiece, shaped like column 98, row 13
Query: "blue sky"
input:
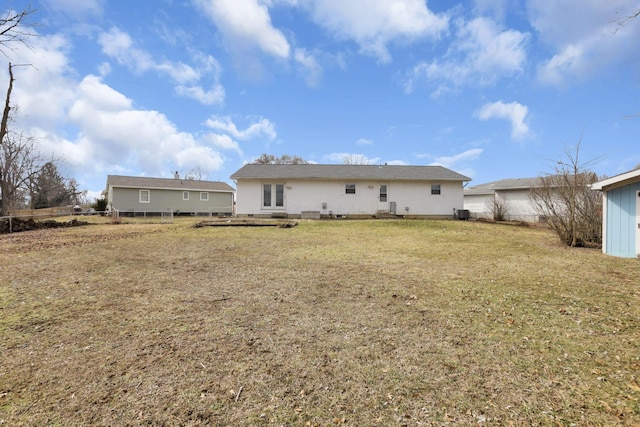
column 492, row 89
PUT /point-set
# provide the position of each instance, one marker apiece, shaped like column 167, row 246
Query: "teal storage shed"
column 621, row 214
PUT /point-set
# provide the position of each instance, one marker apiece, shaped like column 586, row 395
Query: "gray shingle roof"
column 167, row 183
column 343, row 172
column 504, row 185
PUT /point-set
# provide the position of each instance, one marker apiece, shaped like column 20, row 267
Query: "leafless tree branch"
column 623, row 21
column 566, row 200
column 13, row 29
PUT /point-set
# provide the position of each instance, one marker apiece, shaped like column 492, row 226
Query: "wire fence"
column 18, row 217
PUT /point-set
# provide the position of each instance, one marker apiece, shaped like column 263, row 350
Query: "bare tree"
column 270, row 159
column 498, row 207
column 355, row 159
column 567, row 202
column 194, row 174
column 13, row 29
column 4, row 122
column 19, row 158
column 78, row 197
column 20, row 163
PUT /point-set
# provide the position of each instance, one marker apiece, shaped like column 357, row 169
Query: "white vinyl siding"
column 330, row 198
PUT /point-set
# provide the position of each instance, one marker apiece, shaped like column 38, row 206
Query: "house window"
column 435, row 188
column 145, row 196
column 350, row 189
column 204, row 196
column 185, row 195
column 279, row 195
column 273, row 195
column 266, row 195
column 383, row 192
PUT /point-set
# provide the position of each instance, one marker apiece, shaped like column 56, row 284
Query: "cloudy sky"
column 490, row 88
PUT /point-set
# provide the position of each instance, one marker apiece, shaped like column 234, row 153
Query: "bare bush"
column 567, row 202
column 498, row 207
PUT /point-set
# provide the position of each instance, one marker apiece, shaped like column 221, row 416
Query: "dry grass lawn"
column 352, row 323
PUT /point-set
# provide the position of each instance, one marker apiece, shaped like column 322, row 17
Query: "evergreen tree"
column 51, row 189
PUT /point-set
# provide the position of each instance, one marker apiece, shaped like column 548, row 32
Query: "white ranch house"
column 140, row 195
column 513, row 192
column 324, row 191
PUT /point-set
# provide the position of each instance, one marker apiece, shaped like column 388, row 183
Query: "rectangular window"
column 204, row 197
column 383, row 192
column 266, row 195
column 272, row 195
column 350, row 189
column 185, row 195
column 435, row 188
column 145, row 196
column 279, row 195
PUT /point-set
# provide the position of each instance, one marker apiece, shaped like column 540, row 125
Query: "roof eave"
column 617, row 181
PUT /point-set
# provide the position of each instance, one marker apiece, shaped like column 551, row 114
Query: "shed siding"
column 308, row 195
column 621, row 221
column 128, row 199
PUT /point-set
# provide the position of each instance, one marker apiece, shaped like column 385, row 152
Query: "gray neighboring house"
column 322, row 191
column 513, row 192
column 130, row 194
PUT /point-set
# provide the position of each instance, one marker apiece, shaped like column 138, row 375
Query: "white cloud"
column 309, row 66
column 246, row 24
column 364, row 141
column 188, row 79
column 590, row 44
column 198, row 157
column 586, row 17
column 374, row 24
column 41, row 90
column 112, row 132
column 263, row 127
column 481, row 54
column 223, row 142
column 562, row 64
column 452, row 161
column 495, row 8
column 514, row 112
column 458, row 162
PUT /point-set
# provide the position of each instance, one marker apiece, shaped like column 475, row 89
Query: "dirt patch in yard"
column 247, row 222
column 16, row 225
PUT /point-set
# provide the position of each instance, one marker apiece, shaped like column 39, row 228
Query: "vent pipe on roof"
column 176, row 175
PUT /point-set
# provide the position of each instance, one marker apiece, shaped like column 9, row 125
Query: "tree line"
column 27, row 180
